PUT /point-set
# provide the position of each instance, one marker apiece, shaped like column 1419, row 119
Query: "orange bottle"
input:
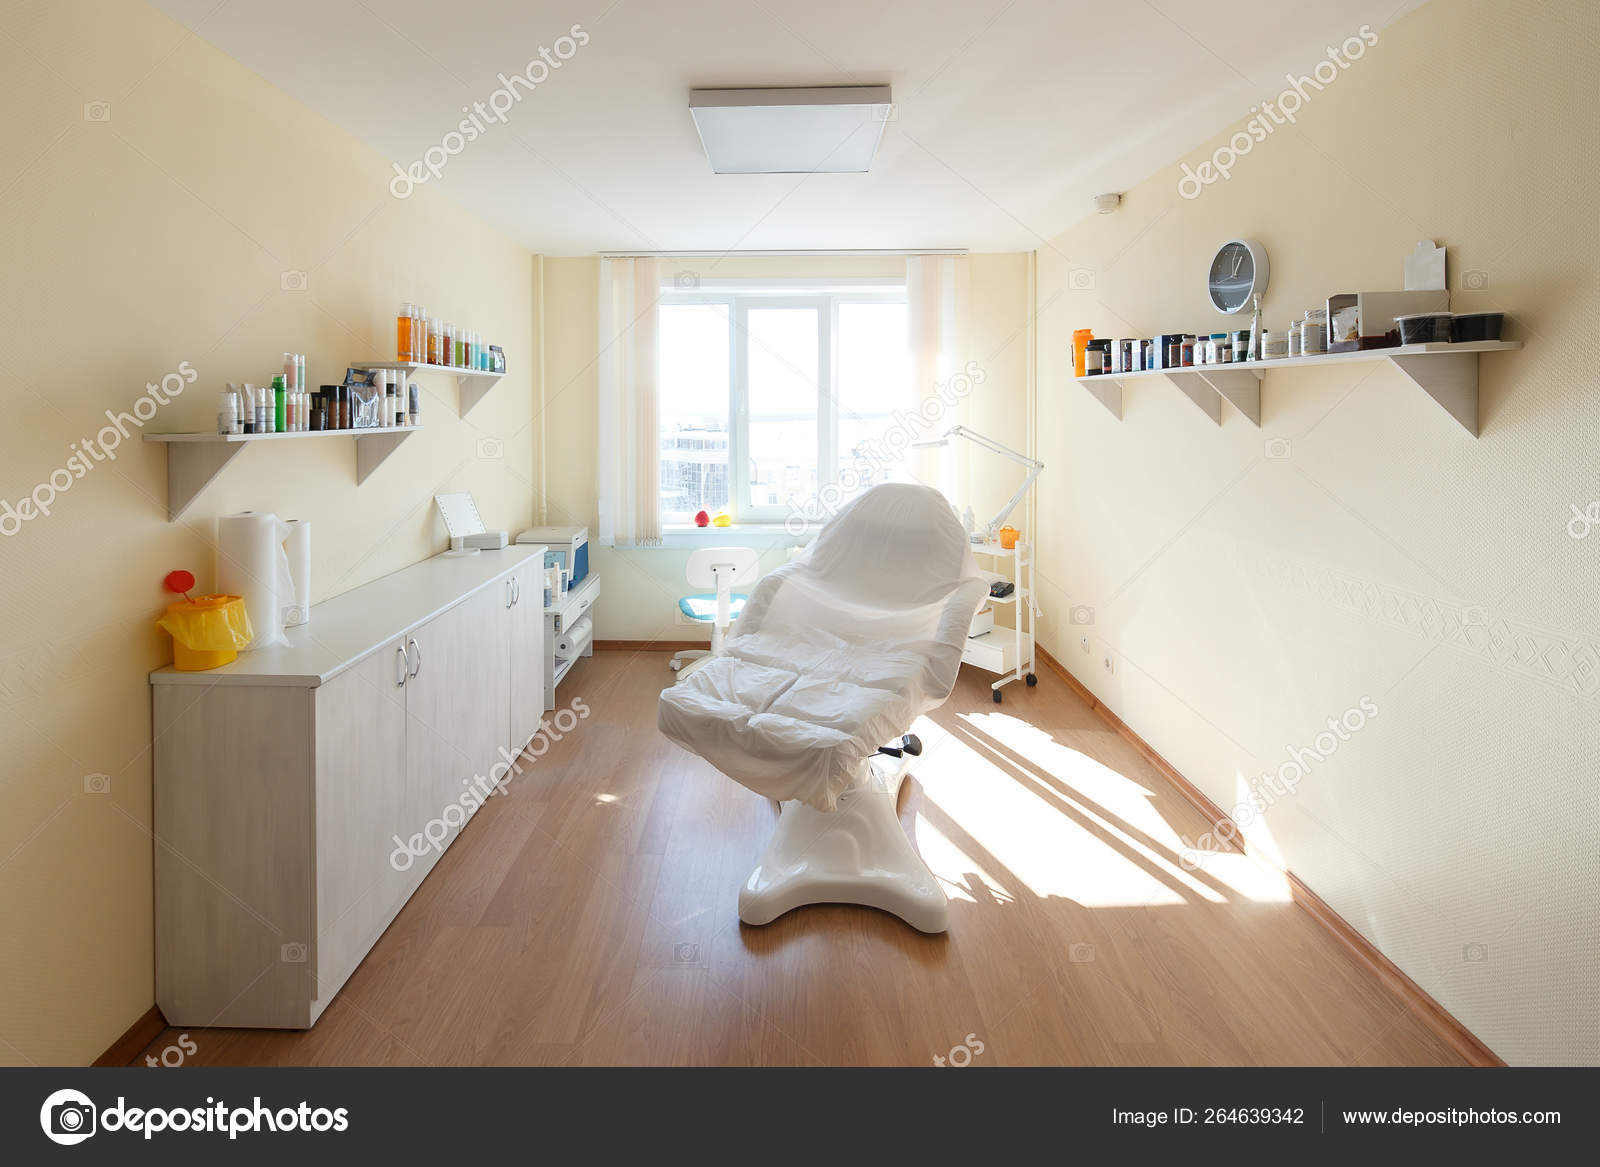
column 402, row 327
column 1080, row 341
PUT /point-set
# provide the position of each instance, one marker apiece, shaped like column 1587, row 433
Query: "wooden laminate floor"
column 588, row 918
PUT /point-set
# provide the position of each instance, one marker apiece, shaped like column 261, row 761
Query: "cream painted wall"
column 642, row 586
column 1246, row 599
column 132, row 245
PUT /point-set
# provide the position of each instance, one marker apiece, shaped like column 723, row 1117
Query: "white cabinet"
column 525, row 600
column 303, row 793
column 360, row 740
column 457, row 709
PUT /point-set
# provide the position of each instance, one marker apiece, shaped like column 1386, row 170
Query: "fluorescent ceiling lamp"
column 831, row 130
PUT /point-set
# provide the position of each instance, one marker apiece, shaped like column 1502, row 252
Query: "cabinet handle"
column 516, row 590
column 509, row 600
column 405, row 665
column 416, row 668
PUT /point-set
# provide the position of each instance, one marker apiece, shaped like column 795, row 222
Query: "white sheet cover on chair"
column 837, row 652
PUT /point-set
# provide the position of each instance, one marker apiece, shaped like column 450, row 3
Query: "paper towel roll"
column 251, row 563
column 297, row 547
column 574, row 640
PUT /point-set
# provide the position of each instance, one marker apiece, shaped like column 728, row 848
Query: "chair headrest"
column 706, row 563
column 892, row 532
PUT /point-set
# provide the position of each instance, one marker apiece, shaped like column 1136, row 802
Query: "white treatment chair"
column 722, row 569
column 837, row 653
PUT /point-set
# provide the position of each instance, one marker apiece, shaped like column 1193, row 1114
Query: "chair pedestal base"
column 858, row 854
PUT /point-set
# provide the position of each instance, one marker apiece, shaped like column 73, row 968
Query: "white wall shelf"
column 1446, row 372
column 193, row 460
column 472, row 384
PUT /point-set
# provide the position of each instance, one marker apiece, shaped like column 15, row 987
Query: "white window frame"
column 738, row 297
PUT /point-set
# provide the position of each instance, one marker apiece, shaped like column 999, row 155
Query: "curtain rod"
column 777, row 254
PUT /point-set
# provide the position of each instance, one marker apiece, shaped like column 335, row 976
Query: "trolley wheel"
column 1032, row 680
column 997, row 696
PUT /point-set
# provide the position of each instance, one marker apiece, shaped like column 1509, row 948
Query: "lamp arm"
column 1034, row 467
column 994, row 447
column 1000, row 516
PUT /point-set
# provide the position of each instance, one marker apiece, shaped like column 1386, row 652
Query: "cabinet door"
column 456, row 718
column 360, row 786
column 528, row 650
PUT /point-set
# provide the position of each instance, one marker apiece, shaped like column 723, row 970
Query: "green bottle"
column 280, row 391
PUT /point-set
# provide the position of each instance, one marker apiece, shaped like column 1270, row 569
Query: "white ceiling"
column 1009, row 116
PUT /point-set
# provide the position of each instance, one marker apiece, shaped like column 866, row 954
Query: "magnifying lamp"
column 987, row 533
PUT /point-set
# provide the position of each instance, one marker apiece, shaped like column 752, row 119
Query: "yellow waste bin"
column 207, row 631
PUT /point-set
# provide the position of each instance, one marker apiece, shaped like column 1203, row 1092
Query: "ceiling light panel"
column 830, row 130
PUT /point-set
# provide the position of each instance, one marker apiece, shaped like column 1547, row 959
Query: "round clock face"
column 1234, row 276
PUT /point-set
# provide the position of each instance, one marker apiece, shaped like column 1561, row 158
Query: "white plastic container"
column 228, row 419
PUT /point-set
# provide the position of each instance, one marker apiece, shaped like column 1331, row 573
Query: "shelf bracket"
column 472, row 390
column 1451, row 379
column 1242, row 388
column 190, row 469
column 373, row 448
column 1197, row 390
column 1108, row 392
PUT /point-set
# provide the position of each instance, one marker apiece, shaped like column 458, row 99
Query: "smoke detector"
column 1107, row 203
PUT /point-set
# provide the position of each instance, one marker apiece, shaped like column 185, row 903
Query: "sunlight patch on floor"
column 993, row 816
column 1063, row 824
column 959, row 873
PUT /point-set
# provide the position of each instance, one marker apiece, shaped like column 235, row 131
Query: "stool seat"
column 703, row 607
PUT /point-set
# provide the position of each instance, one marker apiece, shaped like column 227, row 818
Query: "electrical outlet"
column 1083, row 642
column 1111, row 665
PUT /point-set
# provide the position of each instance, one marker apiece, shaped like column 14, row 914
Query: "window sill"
column 738, row 535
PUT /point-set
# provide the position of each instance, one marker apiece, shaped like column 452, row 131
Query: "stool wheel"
column 1032, row 680
column 997, row 696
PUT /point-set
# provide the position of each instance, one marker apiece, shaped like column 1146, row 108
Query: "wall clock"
column 1237, row 274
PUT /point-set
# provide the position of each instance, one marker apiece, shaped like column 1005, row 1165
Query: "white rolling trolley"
column 1008, row 651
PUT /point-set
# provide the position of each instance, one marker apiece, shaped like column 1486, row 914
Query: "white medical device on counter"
column 565, row 547
column 465, row 526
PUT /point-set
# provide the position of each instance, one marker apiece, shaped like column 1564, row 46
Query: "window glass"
column 693, row 348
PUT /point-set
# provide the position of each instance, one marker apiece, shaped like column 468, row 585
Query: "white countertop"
column 354, row 625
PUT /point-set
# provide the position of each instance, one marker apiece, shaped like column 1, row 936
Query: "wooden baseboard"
column 651, row 645
column 1432, row 1014
column 132, row 1043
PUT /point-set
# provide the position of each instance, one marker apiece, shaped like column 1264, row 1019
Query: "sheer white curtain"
column 936, row 292
column 629, row 464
